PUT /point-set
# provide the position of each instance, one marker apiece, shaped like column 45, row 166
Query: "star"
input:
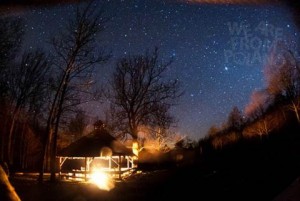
column 187, row 34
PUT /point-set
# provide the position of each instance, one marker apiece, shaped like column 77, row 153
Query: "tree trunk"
column 25, row 153
column 55, row 133
column 53, row 151
column 49, row 130
column 45, row 142
column 10, row 139
column 22, row 151
column 3, row 140
column 295, row 108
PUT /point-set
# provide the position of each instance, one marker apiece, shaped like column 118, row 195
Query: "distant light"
column 226, row 68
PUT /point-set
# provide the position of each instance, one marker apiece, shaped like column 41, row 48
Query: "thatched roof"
column 97, row 143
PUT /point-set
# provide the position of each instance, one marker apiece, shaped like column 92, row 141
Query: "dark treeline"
column 254, row 155
column 22, row 87
column 269, row 109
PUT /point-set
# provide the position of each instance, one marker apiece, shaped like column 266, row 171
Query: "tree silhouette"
column 75, row 56
column 11, row 34
column 283, row 72
column 235, row 119
column 26, row 82
column 141, row 94
column 283, row 77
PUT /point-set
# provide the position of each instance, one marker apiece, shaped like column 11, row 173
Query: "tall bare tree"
column 141, row 94
column 75, row 56
column 25, row 81
column 10, row 40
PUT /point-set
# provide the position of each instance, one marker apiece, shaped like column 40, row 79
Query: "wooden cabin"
column 97, row 150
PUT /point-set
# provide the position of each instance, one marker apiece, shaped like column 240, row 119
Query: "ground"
column 140, row 186
column 171, row 184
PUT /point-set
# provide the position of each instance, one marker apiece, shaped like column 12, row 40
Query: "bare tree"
column 141, row 95
column 10, row 40
column 25, row 82
column 295, row 107
column 75, row 58
column 261, row 127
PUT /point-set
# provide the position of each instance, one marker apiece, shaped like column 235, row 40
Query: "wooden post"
column 109, row 163
column 85, row 161
column 127, row 157
column 120, row 167
column 60, row 164
column 88, row 164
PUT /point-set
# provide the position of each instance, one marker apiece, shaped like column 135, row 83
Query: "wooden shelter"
column 98, row 149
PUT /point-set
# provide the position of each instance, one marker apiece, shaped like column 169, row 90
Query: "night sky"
column 217, row 68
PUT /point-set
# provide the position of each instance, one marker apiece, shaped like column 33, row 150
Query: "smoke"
column 259, row 102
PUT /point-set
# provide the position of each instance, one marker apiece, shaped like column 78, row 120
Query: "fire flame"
column 135, row 148
column 102, row 180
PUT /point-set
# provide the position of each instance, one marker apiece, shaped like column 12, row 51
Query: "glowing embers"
column 102, row 180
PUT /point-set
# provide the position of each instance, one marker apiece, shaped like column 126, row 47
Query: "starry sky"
column 219, row 50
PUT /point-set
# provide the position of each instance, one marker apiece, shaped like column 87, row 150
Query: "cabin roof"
column 98, row 143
